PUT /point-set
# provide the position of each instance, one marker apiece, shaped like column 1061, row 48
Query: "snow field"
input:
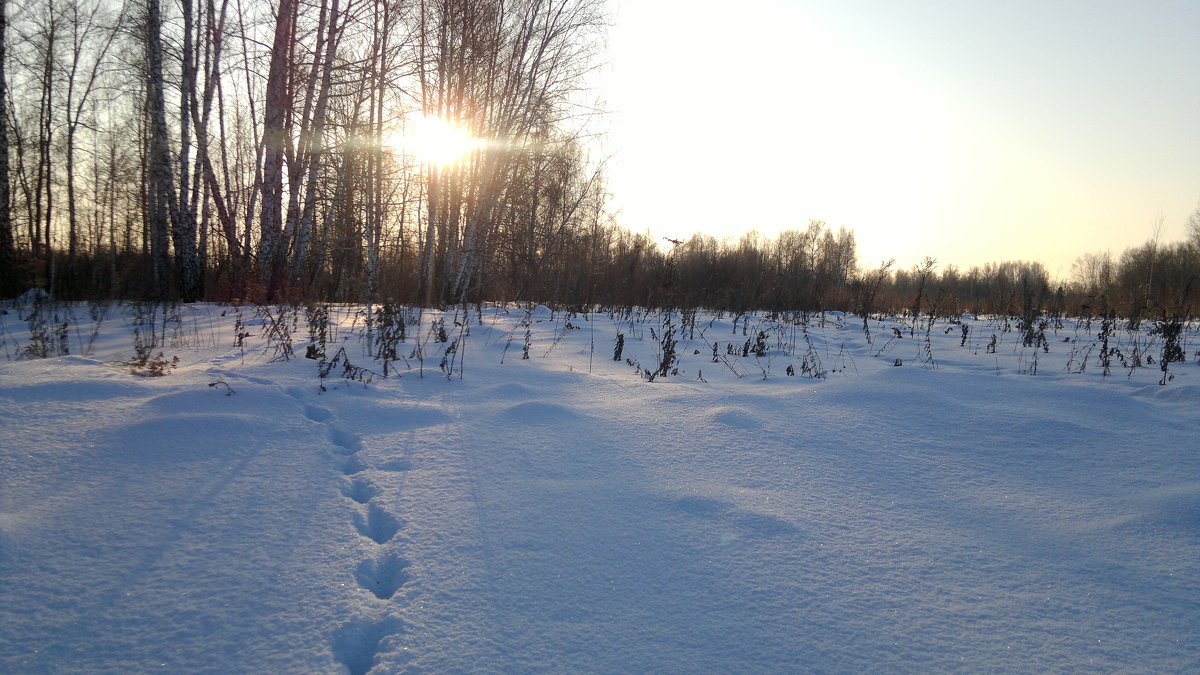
column 562, row 514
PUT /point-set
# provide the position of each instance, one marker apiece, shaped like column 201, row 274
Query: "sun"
column 434, row 140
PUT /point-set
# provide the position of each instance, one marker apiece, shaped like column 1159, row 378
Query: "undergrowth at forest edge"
column 362, row 344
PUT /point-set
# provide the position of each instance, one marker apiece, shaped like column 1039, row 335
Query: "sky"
column 970, row 132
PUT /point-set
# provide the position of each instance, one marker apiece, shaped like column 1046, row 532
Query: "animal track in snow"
column 348, row 442
column 317, row 414
column 378, row 525
column 356, row 643
column 352, row 465
column 360, row 490
column 382, row 576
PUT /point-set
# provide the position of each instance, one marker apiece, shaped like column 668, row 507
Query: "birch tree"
column 162, row 202
column 9, row 281
column 276, row 142
column 507, row 71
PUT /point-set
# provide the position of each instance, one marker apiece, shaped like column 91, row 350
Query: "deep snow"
column 563, row 514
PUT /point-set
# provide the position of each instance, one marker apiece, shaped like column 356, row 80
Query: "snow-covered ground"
column 964, row 510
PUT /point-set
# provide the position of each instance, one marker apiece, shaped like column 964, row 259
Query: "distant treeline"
column 812, row 269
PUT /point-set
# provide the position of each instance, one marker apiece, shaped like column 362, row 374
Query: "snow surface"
column 563, row 514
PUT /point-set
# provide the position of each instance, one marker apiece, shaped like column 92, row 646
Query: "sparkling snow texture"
column 562, row 514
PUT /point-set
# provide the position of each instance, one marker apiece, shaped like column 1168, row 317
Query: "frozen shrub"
column 349, row 371
column 1077, row 362
column 667, row 357
column 277, row 332
column 389, row 323
column 1107, row 329
column 687, row 323
column 145, row 361
column 760, row 344
column 49, row 330
column 40, row 344
column 239, row 332
column 449, row 356
column 1172, row 352
column 318, row 331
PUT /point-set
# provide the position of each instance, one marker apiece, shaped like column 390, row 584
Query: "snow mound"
column 1171, row 509
column 538, row 412
column 746, row 523
column 196, row 400
column 77, row 391
column 184, row 437
column 737, row 418
column 511, row 391
column 406, row 417
column 1182, row 393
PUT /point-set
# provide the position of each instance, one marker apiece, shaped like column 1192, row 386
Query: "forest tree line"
column 215, row 149
column 212, row 150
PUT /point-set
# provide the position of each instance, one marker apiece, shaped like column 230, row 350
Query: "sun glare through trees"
column 434, row 140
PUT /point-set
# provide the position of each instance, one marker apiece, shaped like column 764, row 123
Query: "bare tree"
column 90, row 35
column 162, row 206
column 276, row 144
column 1094, row 272
column 9, row 280
column 507, row 72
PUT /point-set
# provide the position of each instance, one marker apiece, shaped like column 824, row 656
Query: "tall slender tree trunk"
column 183, row 223
column 161, row 201
column 204, row 173
column 315, row 145
column 272, row 247
column 9, row 276
column 220, row 199
column 43, row 195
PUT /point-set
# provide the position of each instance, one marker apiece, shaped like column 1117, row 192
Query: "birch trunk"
column 9, row 280
column 272, row 251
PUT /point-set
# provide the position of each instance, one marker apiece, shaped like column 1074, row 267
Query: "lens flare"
column 435, row 141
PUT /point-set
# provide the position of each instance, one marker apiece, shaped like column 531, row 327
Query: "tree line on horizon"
column 213, row 150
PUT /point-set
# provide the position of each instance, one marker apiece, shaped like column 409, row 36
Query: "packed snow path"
column 533, row 517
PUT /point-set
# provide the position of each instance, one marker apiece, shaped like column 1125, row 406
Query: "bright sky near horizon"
column 968, row 131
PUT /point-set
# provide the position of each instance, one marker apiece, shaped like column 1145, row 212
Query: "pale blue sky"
column 967, row 131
